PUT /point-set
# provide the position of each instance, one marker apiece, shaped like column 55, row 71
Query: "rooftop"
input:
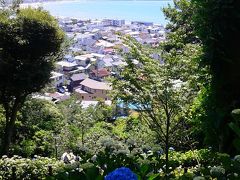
column 79, row 90
column 78, row 77
column 55, row 74
column 66, row 64
column 93, row 84
column 101, row 72
column 104, row 43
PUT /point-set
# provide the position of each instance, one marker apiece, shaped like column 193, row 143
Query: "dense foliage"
column 29, row 42
column 197, row 164
column 217, row 24
column 46, row 129
column 165, row 90
column 187, row 100
column 23, row 168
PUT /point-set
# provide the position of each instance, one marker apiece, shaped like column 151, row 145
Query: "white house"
column 86, row 39
column 83, row 60
column 98, row 56
column 66, row 66
column 106, row 62
column 57, row 79
column 95, row 24
column 68, row 58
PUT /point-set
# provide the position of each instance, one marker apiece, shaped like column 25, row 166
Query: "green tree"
column 183, row 40
column 218, row 24
column 181, row 29
column 77, row 123
column 81, row 119
column 37, row 122
column 102, row 111
column 161, row 91
column 29, row 42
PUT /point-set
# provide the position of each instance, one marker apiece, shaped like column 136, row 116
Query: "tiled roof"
column 78, row 77
column 93, row 84
column 101, row 72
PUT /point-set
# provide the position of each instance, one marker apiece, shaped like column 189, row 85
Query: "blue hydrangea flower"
column 122, row 173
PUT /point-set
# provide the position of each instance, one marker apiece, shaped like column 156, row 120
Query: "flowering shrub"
column 17, row 167
column 122, row 173
column 197, row 164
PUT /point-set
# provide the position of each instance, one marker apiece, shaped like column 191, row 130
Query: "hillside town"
column 94, row 55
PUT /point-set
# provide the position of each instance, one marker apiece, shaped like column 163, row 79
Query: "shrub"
column 23, row 168
column 122, row 173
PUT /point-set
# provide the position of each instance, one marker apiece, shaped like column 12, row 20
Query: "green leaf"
column 153, row 176
column 236, row 144
column 235, row 128
column 144, row 168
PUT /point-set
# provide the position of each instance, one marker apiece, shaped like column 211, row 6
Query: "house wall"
column 57, row 81
column 65, row 68
column 93, row 94
column 82, row 63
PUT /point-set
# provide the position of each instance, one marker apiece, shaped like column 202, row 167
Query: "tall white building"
column 113, row 22
column 118, row 23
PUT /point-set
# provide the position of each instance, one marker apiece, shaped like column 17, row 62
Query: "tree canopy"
column 30, row 39
column 217, row 24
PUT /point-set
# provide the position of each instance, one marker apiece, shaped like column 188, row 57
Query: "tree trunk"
column 82, row 133
column 167, row 148
column 11, row 115
column 8, row 132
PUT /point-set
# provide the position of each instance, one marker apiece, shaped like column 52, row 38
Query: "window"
column 82, row 97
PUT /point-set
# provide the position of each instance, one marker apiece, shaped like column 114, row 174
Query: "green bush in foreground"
column 23, row 168
column 197, row 165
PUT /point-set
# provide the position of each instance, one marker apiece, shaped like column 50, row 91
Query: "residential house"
column 98, row 56
column 58, row 97
column 99, row 74
column 82, row 60
column 142, row 23
column 117, row 67
column 86, row 39
column 105, row 62
column 90, row 90
column 102, row 45
column 106, row 22
column 68, row 58
column 76, row 79
column 57, row 79
column 95, row 25
column 134, row 34
column 120, row 46
column 64, row 66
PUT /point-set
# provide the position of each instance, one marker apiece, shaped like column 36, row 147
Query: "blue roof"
column 132, row 106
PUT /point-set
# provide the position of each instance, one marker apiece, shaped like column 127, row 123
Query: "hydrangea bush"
column 25, row 168
column 122, row 173
column 197, row 164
